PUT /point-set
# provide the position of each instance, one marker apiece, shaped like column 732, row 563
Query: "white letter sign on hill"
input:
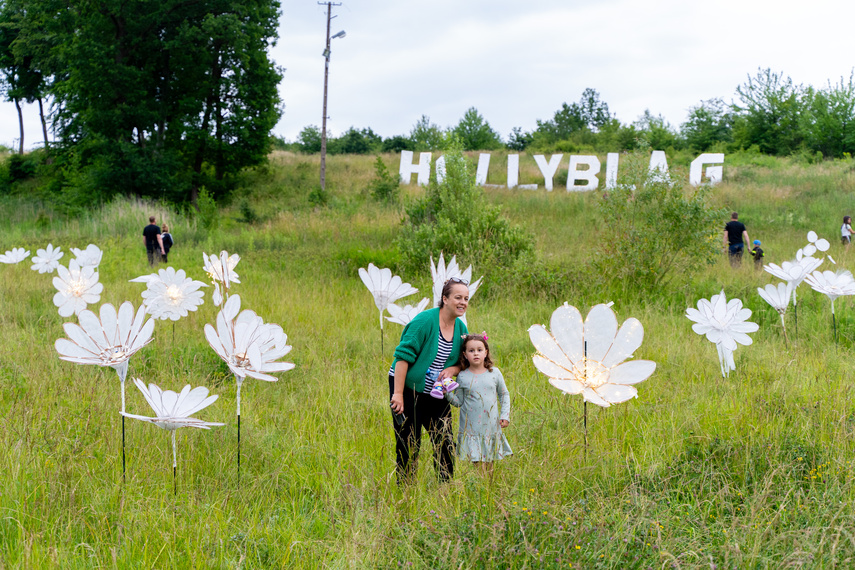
column 589, row 174
column 713, row 172
column 658, row 167
column 548, row 169
column 408, row 168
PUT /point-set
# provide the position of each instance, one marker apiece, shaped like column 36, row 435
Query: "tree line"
column 155, row 99
column 769, row 113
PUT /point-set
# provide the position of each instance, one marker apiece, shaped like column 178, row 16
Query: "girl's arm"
column 457, row 397
column 504, row 397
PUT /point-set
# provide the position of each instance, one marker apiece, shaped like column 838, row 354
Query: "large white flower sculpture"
column 440, row 273
column 725, row 324
column 170, row 294
column 794, row 272
column 403, row 315
column 249, row 346
column 222, row 272
column 386, row 289
column 833, row 285
column 47, row 260
column 76, row 287
column 587, row 357
column 89, row 257
column 16, row 255
column 110, row 340
column 779, row 298
column 173, row 411
column 814, row 243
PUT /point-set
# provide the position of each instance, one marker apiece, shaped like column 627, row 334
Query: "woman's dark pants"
column 423, row 411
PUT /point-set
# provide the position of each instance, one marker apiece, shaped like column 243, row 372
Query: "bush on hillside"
column 385, row 186
column 655, row 227
column 453, row 217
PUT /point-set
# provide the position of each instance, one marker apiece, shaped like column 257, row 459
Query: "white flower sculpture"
column 440, row 273
column 794, row 272
column 89, row 257
column 833, row 285
column 248, row 345
column 403, row 315
column 386, row 289
column 725, row 324
column 76, row 287
column 110, row 340
column 779, row 298
column 588, row 357
column 16, row 255
column 222, row 272
column 170, row 294
column 173, row 411
column 47, row 260
column 814, row 243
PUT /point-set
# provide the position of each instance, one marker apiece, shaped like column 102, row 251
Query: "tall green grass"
column 752, row 471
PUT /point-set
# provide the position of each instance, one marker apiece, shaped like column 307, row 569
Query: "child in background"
column 167, row 242
column 846, row 231
column 758, row 255
column 485, row 405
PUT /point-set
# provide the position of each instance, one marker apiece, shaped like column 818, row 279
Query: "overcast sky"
column 517, row 61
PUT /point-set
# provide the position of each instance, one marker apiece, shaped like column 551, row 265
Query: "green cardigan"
column 419, row 344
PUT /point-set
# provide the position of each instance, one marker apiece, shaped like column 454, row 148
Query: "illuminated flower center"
column 241, row 359
column 114, row 354
column 593, row 374
column 78, row 287
column 173, row 293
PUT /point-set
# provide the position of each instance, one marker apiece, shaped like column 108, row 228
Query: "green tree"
column 768, row 113
column 655, row 228
column 475, row 133
column 309, row 139
column 708, row 123
column 828, row 119
column 519, row 140
column 656, row 131
column 426, row 135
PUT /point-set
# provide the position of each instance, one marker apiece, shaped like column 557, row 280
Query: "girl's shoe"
column 450, row 385
column 436, row 391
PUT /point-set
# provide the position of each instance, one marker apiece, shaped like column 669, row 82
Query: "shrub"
column 655, row 228
column 209, row 213
column 384, row 186
column 454, row 217
column 318, row 196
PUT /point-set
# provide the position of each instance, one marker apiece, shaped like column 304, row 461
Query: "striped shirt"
column 438, row 364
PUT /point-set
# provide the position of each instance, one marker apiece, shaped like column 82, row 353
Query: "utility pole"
column 326, row 54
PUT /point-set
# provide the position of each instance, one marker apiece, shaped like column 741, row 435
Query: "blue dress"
column 483, row 400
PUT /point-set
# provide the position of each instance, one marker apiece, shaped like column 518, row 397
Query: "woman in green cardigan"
column 429, row 349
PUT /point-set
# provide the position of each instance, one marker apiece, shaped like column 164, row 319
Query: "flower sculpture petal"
column 440, row 273
column 108, row 339
column 221, row 271
column 173, row 411
column 587, row 357
column 814, row 243
column 47, row 260
column 170, row 294
column 248, row 345
column 794, row 272
column 89, row 257
column 832, row 284
column 403, row 315
column 724, row 324
column 385, row 287
column 777, row 296
column 76, row 287
column 16, row 255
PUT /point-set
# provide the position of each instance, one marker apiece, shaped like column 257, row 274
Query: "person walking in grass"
column 166, row 239
column 485, row 406
column 758, row 255
column 846, row 231
column 429, row 350
column 735, row 238
column 153, row 242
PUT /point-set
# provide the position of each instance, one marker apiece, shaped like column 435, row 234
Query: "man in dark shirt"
column 153, row 242
column 735, row 238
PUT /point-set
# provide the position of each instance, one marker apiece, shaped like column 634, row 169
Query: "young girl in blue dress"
column 485, row 405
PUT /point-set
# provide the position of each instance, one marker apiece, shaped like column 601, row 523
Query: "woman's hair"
column 165, row 228
column 847, row 219
column 482, row 338
column 446, row 289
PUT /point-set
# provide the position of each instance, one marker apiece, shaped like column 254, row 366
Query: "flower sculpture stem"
column 833, row 321
column 122, row 371
column 174, row 465
column 783, row 324
column 584, row 402
column 239, row 383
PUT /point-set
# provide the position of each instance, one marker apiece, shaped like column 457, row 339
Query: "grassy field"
column 697, row 472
